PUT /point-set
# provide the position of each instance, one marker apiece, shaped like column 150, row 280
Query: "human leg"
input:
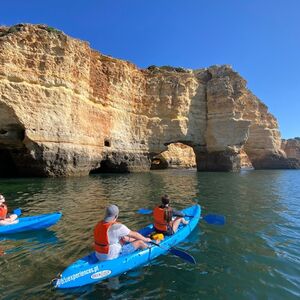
column 132, row 246
column 176, row 223
column 8, row 222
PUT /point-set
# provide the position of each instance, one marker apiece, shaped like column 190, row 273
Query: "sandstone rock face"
column 65, row 109
column 292, row 149
column 177, row 156
column 245, row 161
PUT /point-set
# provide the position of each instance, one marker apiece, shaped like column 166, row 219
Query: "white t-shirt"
column 115, row 233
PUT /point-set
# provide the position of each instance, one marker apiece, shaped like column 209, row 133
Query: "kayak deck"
column 89, row 270
column 31, row 223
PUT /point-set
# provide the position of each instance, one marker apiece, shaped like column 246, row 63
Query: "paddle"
column 210, row 218
column 17, row 211
column 177, row 252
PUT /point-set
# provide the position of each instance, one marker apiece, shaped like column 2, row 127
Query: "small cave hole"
column 107, row 143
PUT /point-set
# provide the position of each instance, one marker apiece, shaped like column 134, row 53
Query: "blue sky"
column 259, row 38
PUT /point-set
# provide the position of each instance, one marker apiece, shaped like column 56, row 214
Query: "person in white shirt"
column 112, row 239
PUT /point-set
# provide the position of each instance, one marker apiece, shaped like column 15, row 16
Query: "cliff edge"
column 66, row 109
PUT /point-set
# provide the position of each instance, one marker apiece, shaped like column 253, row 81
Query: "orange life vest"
column 3, row 211
column 101, row 243
column 162, row 218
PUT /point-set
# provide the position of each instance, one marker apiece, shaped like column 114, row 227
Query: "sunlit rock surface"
column 177, row 156
column 292, row 149
column 66, row 109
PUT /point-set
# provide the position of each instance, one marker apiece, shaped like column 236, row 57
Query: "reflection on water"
column 255, row 255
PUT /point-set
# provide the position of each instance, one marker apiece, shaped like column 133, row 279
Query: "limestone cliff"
column 292, row 149
column 66, row 109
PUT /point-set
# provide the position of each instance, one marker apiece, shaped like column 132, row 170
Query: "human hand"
column 148, row 240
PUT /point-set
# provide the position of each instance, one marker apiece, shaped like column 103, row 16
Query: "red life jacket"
column 162, row 218
column 101, row 241
column 3, row 211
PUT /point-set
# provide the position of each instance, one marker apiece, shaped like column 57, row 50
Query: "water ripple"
column 254, row 256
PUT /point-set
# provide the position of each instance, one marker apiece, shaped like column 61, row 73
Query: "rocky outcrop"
column 291, row 147
column 66, row 109
column 177, row 156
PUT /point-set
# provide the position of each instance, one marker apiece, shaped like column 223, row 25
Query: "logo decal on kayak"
column 101, row 274
column 75, row 276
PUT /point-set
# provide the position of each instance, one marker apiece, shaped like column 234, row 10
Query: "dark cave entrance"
column 7, row 165
column 109, row 166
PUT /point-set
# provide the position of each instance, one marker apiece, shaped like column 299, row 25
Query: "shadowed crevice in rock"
column 218, row 161
column 159, row 163
column 108, row 166
column 7, row 164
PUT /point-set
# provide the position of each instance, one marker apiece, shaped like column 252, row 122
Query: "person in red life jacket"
column 167, row 219
column 5, row 218
column 112, row 239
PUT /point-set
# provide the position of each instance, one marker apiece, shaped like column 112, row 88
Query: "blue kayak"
column 88, row 269
column 31, row 223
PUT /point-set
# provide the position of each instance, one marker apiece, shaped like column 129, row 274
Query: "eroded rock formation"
column 245, row 161
column 66, row 109
column 177, row 156
column 292, row 149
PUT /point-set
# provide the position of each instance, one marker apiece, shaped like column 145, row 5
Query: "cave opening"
column 109, row 166
column 178, row 155
column 7, row 165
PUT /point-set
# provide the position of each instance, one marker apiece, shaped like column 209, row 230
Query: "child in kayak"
column 167, row 219
column 6, row 219
column 112, row 239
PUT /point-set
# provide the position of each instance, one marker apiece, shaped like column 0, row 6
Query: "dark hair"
column 165, row 200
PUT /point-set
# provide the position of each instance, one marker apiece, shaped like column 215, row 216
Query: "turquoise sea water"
column 256, row 255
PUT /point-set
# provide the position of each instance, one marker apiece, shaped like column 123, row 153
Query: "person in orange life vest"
column 112, row 239
column 164, row 221
column 5, row 218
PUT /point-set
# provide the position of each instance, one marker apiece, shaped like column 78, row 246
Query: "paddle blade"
column 183, row 255
column 214, row 219
column 17, row 211
column 144, row 211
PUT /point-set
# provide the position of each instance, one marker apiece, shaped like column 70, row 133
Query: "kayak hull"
column 89, row 270
column 31, row 223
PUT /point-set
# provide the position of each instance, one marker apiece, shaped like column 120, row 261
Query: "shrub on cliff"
column 11, row 29
column 52, row 29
